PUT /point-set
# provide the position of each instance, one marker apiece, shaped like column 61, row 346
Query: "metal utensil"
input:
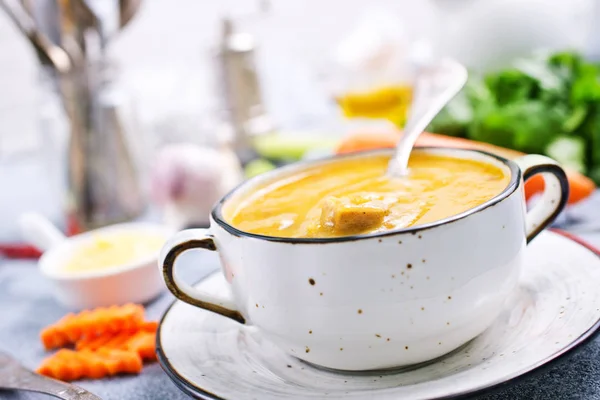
column 14, row 376
column 436, row 85
column 127, row 10
column 48, row 52
column 29, row 8
column 239, row 89
column 103, row 179
column 45, row 15
column 76, row 22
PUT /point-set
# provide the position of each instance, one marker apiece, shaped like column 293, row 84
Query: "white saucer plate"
column 555, row 309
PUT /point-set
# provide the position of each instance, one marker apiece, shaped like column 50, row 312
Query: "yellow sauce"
column 390, row 102
column 354, row 196
column 109, row 250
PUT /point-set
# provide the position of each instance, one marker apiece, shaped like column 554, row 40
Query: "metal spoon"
column 127, row 10
column 436, row 85
column 47, row 51
column 14, row 376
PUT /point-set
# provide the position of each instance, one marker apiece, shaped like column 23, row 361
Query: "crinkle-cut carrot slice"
column 96, row 368
column 114, row 340
column 118, row 341
column 150, row 326
column 92, row 323
column 63, row 365
column 144, row 344
column 46, row 370
column 77, row 365
column 45, row 367
column 93, row 342
column 72, row 332
column 112, row 319
column 113, row 365
column 69, row 365
column 124, row 361
column 53, row 337
column 112, row 362
column 55, row 370
column 117, row 317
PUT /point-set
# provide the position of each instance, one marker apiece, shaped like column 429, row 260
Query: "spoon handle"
column 39, row 231
column 47, row 51
column 52, row 387
column 435, row 87
column 13, row 376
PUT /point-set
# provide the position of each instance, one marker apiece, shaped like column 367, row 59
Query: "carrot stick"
column 119, row 341
column 144, row 344
column 141, row 341
column 94, row 343
column 96, row 368
column 367, row 141
column 69, row 365
column 126, row 361
column 108, row 341
column 150, row 326
column 92, row 323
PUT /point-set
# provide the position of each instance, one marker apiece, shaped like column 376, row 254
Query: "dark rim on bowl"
column 515, row 178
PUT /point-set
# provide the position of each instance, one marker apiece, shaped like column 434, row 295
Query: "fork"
column 14, row 376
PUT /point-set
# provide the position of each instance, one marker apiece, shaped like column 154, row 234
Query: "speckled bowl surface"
column 555, row 308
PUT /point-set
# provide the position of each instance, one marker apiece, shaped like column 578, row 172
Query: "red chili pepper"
column 19, row 251
column 73, row 227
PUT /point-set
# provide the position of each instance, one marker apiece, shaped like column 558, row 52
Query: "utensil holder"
column 104, row 186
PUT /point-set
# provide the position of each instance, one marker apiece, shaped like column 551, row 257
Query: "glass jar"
column 33, row 146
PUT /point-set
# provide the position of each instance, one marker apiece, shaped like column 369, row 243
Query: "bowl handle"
column 183, row 241
column 39, row 231
column 555, row 195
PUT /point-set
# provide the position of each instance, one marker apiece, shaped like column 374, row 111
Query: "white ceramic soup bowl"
column 381, row 300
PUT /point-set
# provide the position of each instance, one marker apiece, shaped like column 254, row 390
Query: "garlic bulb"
column 188, row 179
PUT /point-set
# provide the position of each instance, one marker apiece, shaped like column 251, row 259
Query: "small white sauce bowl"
column 136, row 282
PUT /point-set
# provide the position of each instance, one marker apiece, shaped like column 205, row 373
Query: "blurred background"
column 119, row 110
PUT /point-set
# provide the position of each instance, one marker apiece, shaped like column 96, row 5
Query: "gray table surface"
column 26, row 305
